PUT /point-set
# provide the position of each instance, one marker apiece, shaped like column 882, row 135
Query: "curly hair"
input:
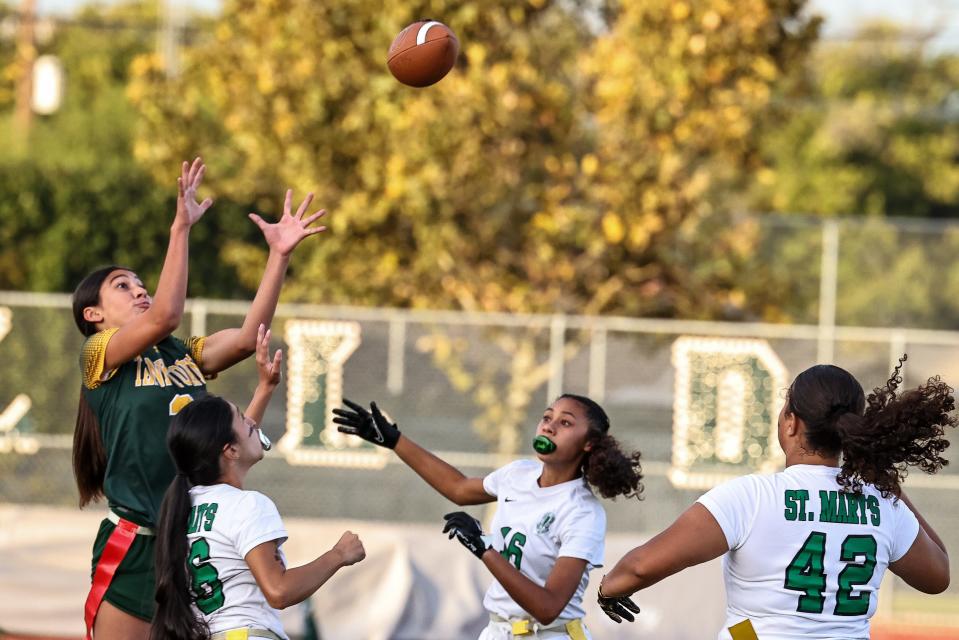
column 879, row 436
column 606, row 466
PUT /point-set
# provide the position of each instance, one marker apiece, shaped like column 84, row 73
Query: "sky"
column 842, row 16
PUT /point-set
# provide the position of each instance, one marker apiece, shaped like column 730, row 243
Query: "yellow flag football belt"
column 522, row 628
column 743, row 631
column 244, row 634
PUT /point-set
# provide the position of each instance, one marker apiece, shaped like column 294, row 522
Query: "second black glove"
column 468, row 531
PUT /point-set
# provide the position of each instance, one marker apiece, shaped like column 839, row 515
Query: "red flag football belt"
column 118, row 544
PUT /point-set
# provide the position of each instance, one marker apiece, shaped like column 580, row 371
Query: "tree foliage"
column 77, row 199
column 574, row 161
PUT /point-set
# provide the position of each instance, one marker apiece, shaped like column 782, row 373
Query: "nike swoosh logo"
column 379, row 435
column 509, row 500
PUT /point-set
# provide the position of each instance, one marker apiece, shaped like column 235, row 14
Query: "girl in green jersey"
column 136, row 375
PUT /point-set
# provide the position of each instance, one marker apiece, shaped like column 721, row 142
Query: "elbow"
column 277, row 598
column 167, row 321
column 546, row 615
column 940, row 584
column 459, row 498
column 245, row 346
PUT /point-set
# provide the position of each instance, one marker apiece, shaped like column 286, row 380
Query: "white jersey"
column 806, row 559
column 225, row 524
column 534, row 526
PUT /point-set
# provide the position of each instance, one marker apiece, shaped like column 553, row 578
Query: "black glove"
column 371, row 425
column 617, row 607
column 467, row 530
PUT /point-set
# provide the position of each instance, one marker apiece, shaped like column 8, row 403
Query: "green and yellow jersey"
column 133, row 405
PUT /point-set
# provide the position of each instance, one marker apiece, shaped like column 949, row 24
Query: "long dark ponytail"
column 196, row 438
column 879, row 436
column 89, row 455
column 606, row 466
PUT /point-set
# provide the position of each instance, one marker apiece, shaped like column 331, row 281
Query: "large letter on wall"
column 317, row 352
column 725, row 409
column 10, row 438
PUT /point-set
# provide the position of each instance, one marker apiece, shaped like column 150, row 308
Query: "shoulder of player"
column 581, row 503
column 239, row 500
column 523, row 466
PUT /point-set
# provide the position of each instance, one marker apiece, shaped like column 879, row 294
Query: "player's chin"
column 546, row 457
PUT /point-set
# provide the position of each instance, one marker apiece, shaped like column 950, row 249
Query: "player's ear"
column 92, row 315
column 793, row 424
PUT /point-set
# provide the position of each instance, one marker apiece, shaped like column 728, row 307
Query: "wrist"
column 282, row 256
column 339, row 558
column 604, row 592
column 180, row 227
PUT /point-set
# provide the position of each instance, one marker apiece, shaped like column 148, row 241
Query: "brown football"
column 423, row 53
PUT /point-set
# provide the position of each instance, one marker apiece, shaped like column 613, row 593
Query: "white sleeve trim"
column 278, row 534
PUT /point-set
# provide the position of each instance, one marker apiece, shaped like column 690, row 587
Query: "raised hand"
column 350, row 548
column 617, row 608
column 188, row 210
column 371, row 425
column 468, row 531
column 268, row 368
column 283, row 235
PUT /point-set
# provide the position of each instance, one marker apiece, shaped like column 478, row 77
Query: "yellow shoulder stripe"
column 93, row 356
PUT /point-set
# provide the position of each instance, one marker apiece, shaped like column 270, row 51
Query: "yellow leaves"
column 223, row 31
column 543, row 221
column 395, row 177
column 680, row 11
column 476, row 54
column 589, row 164
column 613, row 228
column 765, row 68
column 711, row 20
column 639, row 237
column 265, row 79
column 697, row 44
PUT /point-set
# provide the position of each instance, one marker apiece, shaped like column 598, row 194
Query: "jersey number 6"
column 206, row 585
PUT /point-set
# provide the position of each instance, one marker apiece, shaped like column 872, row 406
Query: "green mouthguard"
column 542, row 444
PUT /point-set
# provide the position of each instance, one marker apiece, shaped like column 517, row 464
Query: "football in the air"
column 423, row 53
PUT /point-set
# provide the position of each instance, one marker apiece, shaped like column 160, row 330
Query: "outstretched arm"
column 373, row 427
column 284, row 587
column 694, row 538
column 225, row 348
column 164, row 314
column 269, row 372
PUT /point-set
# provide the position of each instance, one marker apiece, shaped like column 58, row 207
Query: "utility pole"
column 168, row 36
column 26, row 55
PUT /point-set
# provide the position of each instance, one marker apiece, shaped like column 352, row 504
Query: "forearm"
column 924, row 524
column 261, row 398
column 264, row 303
column 443, row 477
column 168, row 302
column 537, row 601
column 299, row 583
column 628, row 576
